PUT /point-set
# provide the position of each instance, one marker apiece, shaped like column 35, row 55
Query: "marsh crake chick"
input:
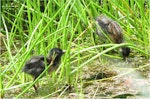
column 106, row 27
column 125, row 52
column 36, row 65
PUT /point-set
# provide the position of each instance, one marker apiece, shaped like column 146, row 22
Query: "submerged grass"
column 34, row 27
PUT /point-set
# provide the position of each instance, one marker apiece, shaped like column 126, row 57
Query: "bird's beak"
column 64, row 51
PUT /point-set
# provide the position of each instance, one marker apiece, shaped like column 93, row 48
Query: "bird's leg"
column 35, row 88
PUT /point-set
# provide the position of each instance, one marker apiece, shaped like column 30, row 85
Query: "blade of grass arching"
column 96, row 56
column 139, row 50
column 82, row 58
column 93, row 47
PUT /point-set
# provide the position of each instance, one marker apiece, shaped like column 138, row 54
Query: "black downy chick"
column 108, row 27
column 125, row 52
column 36, row 65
